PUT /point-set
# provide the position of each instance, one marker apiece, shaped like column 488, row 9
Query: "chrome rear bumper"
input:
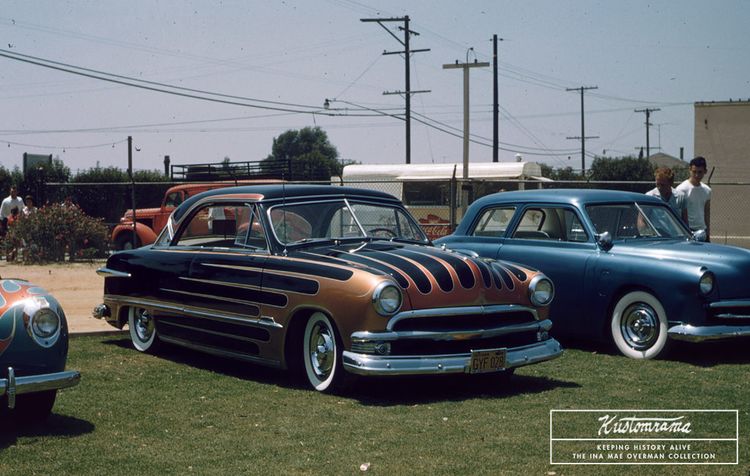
column 367, row 364
column 689, row 333
column 13, row 385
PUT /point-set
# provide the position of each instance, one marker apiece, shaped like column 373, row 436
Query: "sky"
column 224, row 78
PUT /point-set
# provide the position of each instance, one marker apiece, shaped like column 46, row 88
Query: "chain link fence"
column 438, row 205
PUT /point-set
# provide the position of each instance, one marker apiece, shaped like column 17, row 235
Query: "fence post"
column 452, row 205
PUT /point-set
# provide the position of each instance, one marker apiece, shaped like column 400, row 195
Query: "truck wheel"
column 124, row 241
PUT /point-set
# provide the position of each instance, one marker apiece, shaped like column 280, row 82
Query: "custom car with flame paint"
column 33, row 350
column 328, row 282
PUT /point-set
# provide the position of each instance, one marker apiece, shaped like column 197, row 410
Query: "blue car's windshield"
column 631, row 220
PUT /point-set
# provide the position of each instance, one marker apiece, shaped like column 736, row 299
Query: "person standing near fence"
column 698, row 197
column 9, row 203
column 665, row 190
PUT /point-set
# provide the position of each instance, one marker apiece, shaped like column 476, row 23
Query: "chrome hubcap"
column 640, row 326
column 144, row 325
column 322, row 351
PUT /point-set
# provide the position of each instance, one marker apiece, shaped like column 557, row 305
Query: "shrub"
column 56, row 230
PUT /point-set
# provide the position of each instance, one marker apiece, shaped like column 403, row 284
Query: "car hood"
column 689, row 252
column 431, row 277
column 142, row 212
column 730, row 264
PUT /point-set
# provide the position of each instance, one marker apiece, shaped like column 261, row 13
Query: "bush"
column 56, row 230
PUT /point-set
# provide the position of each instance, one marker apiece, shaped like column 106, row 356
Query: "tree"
column 565, row 173
column 306, row 154
column 627, row 169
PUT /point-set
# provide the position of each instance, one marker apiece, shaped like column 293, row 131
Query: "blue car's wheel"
column 639, row 325
column 142, row 330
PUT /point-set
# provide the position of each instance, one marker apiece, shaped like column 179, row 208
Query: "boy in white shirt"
column 698, row 197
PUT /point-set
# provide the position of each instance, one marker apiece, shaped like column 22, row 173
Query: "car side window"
column 213, row 225
column 494, row 222
column 530, row 226
column 250, row 233
column 173, row 200
column 551, row 223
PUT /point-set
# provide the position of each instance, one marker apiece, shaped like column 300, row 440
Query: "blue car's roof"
column 560, row 195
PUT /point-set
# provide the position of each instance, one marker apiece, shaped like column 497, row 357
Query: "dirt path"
column 75, row 285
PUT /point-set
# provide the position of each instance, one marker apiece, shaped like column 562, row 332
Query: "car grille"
column 463, row 323
column 407, row 347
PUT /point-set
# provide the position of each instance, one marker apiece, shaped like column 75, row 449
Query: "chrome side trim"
column 366, row 336
column 365, row 364
column 212, row 296
column 263, row 321
column 732, row 303
column 461, row 311
column 209, row 331
column 112, row 273
column 13, row 386
column 735, row 303
column 221, row 352
column 686, row 332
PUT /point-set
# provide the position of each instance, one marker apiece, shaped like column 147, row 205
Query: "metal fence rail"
column 438, row 205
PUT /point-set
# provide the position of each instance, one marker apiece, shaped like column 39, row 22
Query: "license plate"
column 486, row 361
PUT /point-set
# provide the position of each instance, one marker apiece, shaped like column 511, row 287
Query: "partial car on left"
column 33, row 350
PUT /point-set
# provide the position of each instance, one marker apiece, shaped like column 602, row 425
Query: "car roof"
column 570, row 196
column 287, row 192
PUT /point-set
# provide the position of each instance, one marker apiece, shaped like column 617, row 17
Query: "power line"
column 130, row 81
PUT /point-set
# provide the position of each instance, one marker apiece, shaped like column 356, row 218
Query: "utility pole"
column 495, row 102
column 466, row 66
column 583, row 128
column 648, row 123
column 132, row 188
column 407, row 57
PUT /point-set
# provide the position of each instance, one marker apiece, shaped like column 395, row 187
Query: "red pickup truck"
column 150, row 221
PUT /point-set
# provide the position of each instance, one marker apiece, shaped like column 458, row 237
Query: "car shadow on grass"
column 213, row 363
column 710, row 354
column 384, row 391
column 700, row 354
column 56, row 425
column 411, row 390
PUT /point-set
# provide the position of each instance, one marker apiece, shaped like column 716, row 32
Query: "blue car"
column 624, row 265
column 33, row 351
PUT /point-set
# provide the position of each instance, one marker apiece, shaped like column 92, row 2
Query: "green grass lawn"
column 187, row 413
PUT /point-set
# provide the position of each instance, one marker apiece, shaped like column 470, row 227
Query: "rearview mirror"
column 699, row 235
column 604, row 240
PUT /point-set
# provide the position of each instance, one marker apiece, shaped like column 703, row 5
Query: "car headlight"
column 541, row 290
column 387, row 299
column 43, row 322
column 706, row 282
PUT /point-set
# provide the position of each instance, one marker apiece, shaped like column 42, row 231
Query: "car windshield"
column 634, row 220
column 342, row 219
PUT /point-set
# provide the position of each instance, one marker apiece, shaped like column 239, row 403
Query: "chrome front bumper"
column 689, row 333
column 13, row 385
column 367, row 364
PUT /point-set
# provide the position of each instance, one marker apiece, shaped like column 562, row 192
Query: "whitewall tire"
column 639, row 326
column 142, row 330
column 321, row 352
